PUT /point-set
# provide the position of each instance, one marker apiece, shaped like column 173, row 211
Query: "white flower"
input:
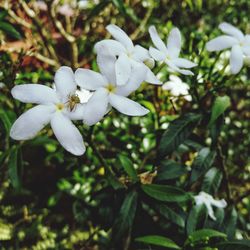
column 129, row 55
column 234, row 39
column 57, row 107
column 169, row 53
column 177, row 87
column 209, row 201
column 107, row 91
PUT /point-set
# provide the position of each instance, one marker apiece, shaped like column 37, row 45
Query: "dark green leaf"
column 234, row 245
column 212, row 181
column 221, row 103
column 196, row 218
column 170, row 170
column 202, row 163
column 124, row 221
column 3, row 14
column 170, row 215
column 165, row 193
column 9, row 29
column 15, row 167
column 177, row 132
column 120, row 6
column 158, row 241
column 5, row 120
column 128, row 167
column 230, row 223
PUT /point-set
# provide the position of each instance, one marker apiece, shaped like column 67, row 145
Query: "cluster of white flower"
column 123, row 67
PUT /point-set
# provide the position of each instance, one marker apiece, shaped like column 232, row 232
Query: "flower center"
column 59, row 106
column 111, row 88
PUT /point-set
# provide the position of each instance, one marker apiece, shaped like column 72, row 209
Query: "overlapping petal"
column 140, row 54
column 183, row 63
column 31, row 122
column 67, row 134
column 65, row 82
column 231, row 30
column 174, row 42
column 157, row 54
column 120, row 36
column 122, row 69
column 127, row 106
column 236, row 59
column 115, row 48
column 89, row 79
column 34, row 93
column 221, row 42
column 159, row 44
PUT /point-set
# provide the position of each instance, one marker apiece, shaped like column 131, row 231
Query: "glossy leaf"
column 212, row 181
column 128, row 167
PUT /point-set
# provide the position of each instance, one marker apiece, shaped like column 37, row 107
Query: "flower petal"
column 127, row 106
column 183, row 63
column 122, row 69
column 219, row 203
column 220, row 43
column 210, row 210
column 236, row 59
column 67, row 134
column 159, row 44
column 34, row 93
column 174, row 68
column 89, row 79
column 157, row 54
column 31, row 122
column 106, row 63
column 77, row 113
column 96, row 107
column 120, row 36
column 65, row 82
column 140, row 54
column 174, row 42
column 229, row 29
column 151, row 78
column 115, row 48
column 137, row 77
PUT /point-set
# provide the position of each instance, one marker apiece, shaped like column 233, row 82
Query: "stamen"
column 60, row 106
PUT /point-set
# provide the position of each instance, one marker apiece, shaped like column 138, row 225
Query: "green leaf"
column 15, row 167
column 170, row 170
column 165, row 193
column 196, row 218
column 158, row 241
column 202, row 163
column 98, row 8
column 10, row 30
column 5, row 120
column 125, row 219
column 120, row 6
column 212, row 181
column 128, row 167
column 234, row 245
column 3, row 14
column 203, row 235
column 221, row 103
column 177, row 132
column 170, row 215
column 230, row 223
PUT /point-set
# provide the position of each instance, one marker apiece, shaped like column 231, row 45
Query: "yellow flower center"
column 111, row 88
column 59, row 106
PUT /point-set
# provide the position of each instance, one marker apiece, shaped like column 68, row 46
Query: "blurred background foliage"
column 105, row 200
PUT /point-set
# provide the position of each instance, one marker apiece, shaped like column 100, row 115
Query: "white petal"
column 34, row 93
column 96, row 107
column 122, row 69
column 174, row 42
column 219, row 203
column 137, row 77
column 183, row 63
column 151, row 78
column 236, row 59
column 246, row 50
column 140, row 54
column 159, row 44
column 231, row 30
column 106, row 63
column 115, row 48
column 65, row 82
column 157, row 54
column 120, row 36
column 67, row 134
column 220, row 43
column 31, row 122
column 77, row 113
column 89, row 79
column 210, row 210
column 174, row 68
column 127, row 106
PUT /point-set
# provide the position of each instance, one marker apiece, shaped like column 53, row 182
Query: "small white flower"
column 177, row 87
column 169, row 53
column 129, row 55
column 209, row 201
column 234, row 40
column 57, row 107
column 107, row 91
column 66, row 10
